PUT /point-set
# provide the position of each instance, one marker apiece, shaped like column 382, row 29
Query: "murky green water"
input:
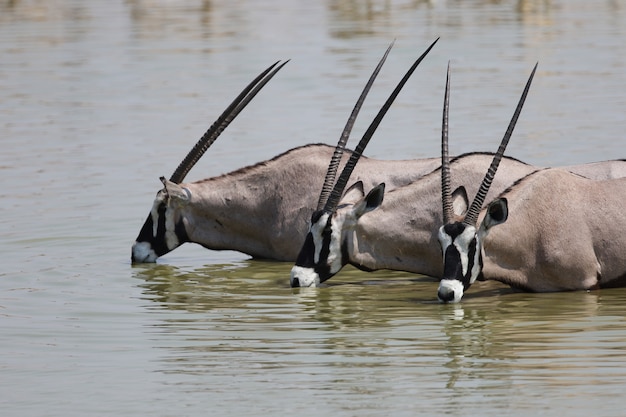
column 98, row 99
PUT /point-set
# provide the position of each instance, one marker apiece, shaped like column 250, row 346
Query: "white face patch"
column 448, row 287
column 444, row 239
column 171, row 240
column 306, row 277
column 338, row 226
column 476, row 268
column 334, row 260
column 467, row 244
column 316, row 231
column 154, row 213
column 462, row 244
column 142, row 252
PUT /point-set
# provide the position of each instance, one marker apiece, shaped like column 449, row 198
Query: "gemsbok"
column 401, row 234
column 261, row 210
column 552, row 230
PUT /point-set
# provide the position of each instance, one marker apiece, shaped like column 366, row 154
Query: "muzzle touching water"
column 304, row 277
column 142, row 252
column 450, row 291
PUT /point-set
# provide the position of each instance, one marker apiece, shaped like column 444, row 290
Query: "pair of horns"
column 330, row 198
column 240, row 102
column 446, row 194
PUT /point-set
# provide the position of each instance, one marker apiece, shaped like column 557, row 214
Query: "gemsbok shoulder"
column 552, row 230
column 261, row 210
column 401, row 233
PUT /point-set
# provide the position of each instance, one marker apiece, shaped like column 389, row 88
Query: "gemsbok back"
column 261, row 210
column 552, row 230
column 401, row 233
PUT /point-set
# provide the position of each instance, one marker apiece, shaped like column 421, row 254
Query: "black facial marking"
column 316, row 216
column 322, row 268
column 452, row 266
column 145, row 234
column 470, row 264
column 454, row 229
column 157, row 242
column 181, row 232
column 306, row 257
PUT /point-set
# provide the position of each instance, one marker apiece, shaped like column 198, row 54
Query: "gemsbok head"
column 163, row 230
column 315, row 262
column 458, row 237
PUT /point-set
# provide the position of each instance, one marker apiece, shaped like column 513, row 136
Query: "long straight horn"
column 240, row 102
column 474, row 210
column 340, row 185
column 345, row 135
column 446, row 192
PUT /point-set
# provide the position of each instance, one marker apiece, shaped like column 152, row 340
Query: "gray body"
column 401, row 233
column 561, row 232
column 262, row 210
column 533, row 250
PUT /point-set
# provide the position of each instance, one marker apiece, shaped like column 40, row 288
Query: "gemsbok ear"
column 460, row 202
column 371, row 202
column 175, row 192
column 353, row 194
column 497, row 213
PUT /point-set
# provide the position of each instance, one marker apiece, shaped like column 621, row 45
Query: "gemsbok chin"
column 552, row 230
column 401, row 232
column 261, row 210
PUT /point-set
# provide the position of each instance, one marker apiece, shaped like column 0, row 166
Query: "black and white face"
column 163, row 230
column 321, row 256
column 325, row 249
column 462, row 262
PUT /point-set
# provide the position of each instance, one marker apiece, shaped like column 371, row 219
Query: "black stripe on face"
column 453, row 267
column 323, row 268
column 454, row 230
column 181, row 232
column 471, row 257
column 157, row 242
column 306, row 257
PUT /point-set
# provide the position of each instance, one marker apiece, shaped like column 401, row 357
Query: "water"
column 98, row 99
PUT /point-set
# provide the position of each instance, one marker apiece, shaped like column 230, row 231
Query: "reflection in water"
column 244, row 319
column 158, row 22
column 534, row 338
column 353, row 18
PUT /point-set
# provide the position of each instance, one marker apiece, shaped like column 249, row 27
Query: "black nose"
column 445, row 296
column 295, row 283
